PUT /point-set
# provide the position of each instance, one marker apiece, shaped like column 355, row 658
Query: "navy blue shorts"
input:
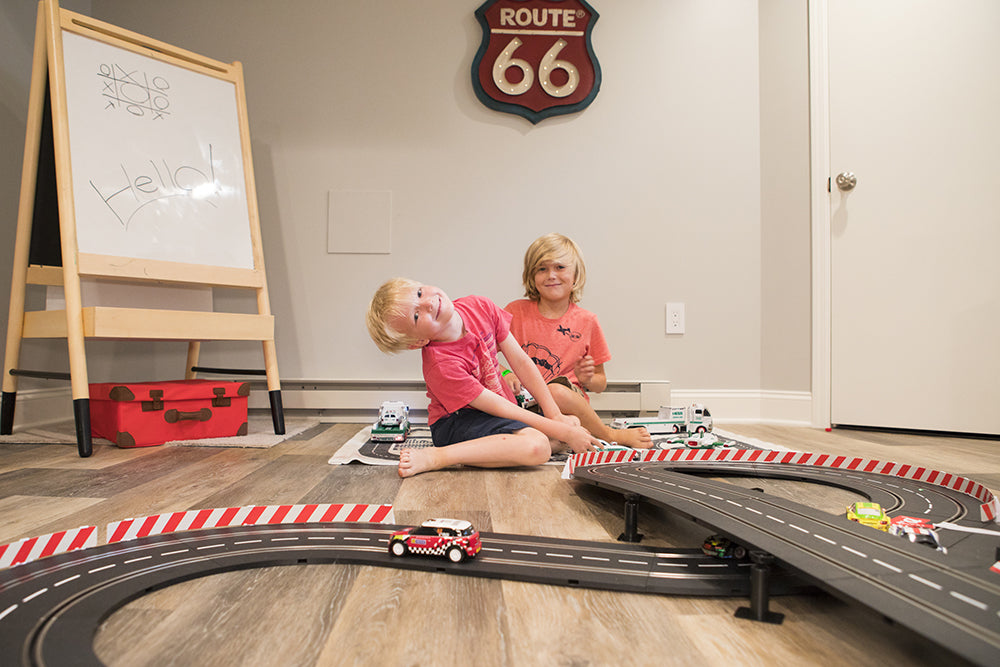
column 469, row 424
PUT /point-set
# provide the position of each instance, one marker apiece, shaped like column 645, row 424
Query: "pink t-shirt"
column 457, row 372
column 556, row 345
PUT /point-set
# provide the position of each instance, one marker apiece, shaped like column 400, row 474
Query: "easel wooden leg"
column 274, row 387
column 7, row 413
column 194, row 350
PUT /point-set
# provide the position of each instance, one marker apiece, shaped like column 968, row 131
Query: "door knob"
column 846, row 181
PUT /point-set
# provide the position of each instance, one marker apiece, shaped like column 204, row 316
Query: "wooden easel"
column 48, row 108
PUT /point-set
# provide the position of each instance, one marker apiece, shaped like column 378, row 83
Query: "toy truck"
column 693, row 419
column 393, row 423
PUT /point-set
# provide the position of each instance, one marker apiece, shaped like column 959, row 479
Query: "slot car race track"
column 50, row 609
column 952, row 599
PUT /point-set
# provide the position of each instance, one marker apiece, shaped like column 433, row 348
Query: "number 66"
column 549, row 63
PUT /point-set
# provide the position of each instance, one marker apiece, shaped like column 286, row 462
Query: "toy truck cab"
column 392, row 413
column 699, row 419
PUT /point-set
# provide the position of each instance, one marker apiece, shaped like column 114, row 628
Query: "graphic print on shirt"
column 549, row 365
column 566, row 331
column 486, row 356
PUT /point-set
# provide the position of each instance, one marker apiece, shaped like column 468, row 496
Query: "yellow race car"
column 868, row 514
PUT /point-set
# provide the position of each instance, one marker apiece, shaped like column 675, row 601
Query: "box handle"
column 173, row 416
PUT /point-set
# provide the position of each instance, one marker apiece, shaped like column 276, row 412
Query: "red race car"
column 454, row 538
column 920, row 531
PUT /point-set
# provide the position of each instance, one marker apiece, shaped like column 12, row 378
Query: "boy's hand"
column 512, row 382
column 580, row 440
column 584, row 370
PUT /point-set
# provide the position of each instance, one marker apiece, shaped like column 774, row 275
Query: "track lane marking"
column 66, row 580
column 886, row 565
column 34, row 595
column 967, row 599
column 926, row 582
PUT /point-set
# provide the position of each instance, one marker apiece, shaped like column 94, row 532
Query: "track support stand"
column 631, row 533
column 759, row 573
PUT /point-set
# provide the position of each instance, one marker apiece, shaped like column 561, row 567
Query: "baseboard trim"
column 359, row 400
column 788, row 408
column 34, row 408
column 353, row 401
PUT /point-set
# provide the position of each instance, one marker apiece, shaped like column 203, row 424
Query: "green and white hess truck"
column 393, row 423
column 693, row 419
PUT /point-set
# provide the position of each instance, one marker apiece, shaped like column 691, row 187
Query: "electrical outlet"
column 675, row 318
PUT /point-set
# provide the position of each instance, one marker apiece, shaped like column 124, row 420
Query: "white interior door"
column 915, row 271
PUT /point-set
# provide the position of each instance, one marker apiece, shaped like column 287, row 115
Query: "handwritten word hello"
column 157, row 182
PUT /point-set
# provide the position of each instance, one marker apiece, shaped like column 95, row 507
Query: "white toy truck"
column 693, row 419
column 393, row 423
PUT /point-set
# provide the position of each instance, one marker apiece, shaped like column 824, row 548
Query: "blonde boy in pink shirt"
column 564, row 340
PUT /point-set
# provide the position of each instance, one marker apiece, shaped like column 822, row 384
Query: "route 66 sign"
column 536, row 59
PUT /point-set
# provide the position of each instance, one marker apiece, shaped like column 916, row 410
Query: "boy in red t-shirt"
column 473, row 416
column 564, row 340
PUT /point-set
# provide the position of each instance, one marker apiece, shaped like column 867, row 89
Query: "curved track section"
column 946, row 598
column 50, row 609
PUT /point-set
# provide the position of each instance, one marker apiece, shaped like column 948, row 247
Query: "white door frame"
column 819, row 152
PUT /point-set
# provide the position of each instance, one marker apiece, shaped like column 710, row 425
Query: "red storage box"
column 151, row 413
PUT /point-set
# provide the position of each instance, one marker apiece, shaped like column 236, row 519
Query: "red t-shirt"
column 457, row 372
column 556, row 345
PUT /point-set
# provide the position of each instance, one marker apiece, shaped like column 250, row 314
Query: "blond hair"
column 554, row 248
column 391, row 301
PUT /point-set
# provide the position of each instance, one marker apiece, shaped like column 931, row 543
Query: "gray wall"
column 685, row 180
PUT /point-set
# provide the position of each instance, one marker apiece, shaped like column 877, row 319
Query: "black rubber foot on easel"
column 631, row 533
column 277, row 412
column 759, row 579
column 7, row 412
column 81, row 414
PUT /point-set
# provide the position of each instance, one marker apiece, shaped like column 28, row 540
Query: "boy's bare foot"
column 415, row 461
column 636, row 438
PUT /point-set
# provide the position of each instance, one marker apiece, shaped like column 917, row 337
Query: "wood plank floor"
column 359, row 615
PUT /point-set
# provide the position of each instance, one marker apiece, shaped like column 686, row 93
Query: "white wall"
column 659, row 180
column 785, row 203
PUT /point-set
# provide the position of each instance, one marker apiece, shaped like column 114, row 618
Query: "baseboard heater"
column 362, row 398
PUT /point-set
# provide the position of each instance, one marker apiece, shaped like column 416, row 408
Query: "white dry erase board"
column 157, row 163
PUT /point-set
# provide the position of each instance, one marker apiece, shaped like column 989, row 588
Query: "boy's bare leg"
column 527, row 447
column 572, row 403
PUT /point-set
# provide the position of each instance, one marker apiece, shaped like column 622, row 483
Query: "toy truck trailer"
column 692, row 419
column 393, row 423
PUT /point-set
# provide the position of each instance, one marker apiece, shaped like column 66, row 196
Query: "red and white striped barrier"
column 33, row 548
column 989, row 505
column 601, row 458
column 248, row 515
